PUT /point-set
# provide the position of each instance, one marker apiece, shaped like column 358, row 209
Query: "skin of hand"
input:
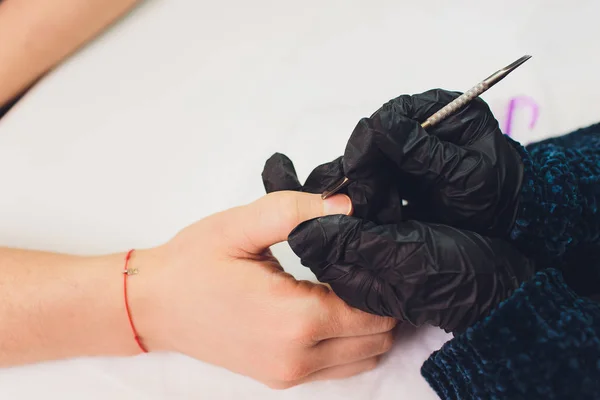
column 35, row 35
column 214, row 292
column 223, row 298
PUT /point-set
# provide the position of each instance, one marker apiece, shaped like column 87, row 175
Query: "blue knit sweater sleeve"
column 560, row 195
column 541, row 343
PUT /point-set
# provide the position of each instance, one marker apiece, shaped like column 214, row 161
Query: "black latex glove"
column 416, row 272
column 462, row 172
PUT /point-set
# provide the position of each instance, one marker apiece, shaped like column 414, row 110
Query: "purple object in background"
column 520, row 101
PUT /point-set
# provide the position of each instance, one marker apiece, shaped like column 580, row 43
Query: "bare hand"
column 219, row 295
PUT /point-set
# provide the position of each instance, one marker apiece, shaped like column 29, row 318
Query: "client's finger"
column 337, row 372
column 338, row 320
column 341, row 351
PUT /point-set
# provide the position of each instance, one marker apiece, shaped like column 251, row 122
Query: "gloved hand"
column 462, row 172
column 465, row 173
column 415, row 272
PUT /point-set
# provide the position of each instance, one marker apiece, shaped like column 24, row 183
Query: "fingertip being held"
column 305, row 206
column 270, row 219
column 339, row 204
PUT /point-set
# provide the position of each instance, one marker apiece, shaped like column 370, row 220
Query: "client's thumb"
column 270, row 219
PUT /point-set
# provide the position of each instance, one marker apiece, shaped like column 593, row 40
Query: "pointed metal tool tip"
column 334, row 189
column 502, row 73
column 517, row 63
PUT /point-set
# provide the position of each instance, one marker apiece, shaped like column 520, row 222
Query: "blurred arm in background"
column 36, row 35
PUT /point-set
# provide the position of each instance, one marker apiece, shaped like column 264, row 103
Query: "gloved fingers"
column 279, row 174
column 347, row 240
column 414, row 272
column 360, row 289
column 420, row 106
column 391, row 139
column 462, row 127
column 361, row 261
column 324, row 176
column 376, row 198
column 411, row 271
column 470, row 181
column 398, row 119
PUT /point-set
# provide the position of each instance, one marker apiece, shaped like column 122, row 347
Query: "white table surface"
column 170, row 116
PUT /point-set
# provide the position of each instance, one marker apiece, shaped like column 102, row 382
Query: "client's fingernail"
column 338, row 204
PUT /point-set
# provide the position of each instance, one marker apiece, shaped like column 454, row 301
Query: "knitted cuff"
column 541, row 343
column 550, row 209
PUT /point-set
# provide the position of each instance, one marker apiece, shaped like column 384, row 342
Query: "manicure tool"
column 450, row 108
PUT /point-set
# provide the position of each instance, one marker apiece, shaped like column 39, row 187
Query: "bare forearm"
column 55, row 306
column 35, row 35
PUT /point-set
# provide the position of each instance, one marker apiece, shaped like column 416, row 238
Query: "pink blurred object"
column 521, row 101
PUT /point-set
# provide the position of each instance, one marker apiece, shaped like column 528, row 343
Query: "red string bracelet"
column 126, row 272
